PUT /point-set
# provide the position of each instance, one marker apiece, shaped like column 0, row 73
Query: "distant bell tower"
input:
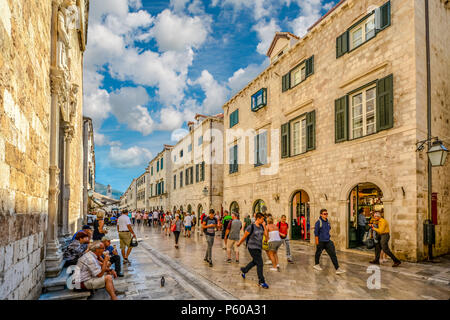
column 109, row 191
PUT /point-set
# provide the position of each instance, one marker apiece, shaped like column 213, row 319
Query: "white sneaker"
column 268, row 262
column 317, row 267
column 273, row 269
column 340, row 271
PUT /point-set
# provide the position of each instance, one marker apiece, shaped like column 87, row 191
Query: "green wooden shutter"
column 342, row 44
column 203, row 171
column 285, row 145
column 311, row 130
column 383, row 16
column 309, row 64
column 230, row 150
column 385, row 103
column 286, row 82
column 341, row 119
column 197, row 172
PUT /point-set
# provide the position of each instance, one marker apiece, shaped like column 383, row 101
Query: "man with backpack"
column 322, row 233
column 254, row 237
column 283, row 229
column 209, row 224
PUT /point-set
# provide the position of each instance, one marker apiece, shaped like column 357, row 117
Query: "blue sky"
column 151, row 65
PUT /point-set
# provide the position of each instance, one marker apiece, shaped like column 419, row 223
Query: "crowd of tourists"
column 99, row 262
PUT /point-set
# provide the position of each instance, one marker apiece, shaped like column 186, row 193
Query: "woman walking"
column 177, row 224
column 274, row 241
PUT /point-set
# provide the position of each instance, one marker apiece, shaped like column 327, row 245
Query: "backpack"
column 251, row 231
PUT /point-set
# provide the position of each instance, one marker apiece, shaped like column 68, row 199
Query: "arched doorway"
column 257, row 206
column 364, row 200
column 189, row 208
column 234, row 207
column 300, row 216
column 181, row 209
column 174, row 209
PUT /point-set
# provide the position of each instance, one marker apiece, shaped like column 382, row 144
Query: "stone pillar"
column 54, row 257
column 65, row 235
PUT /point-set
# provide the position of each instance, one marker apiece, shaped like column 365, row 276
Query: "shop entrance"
column 189, row 208
column 257, row 206
column 364, row 201
column 300, row 216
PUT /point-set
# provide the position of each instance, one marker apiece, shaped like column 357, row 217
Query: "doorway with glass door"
column 300, row 216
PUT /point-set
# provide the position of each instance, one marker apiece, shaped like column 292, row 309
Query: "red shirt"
column 283, row 228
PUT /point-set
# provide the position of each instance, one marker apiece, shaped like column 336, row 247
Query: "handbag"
column 134, row 242
column 174, row 227
column 265, row 244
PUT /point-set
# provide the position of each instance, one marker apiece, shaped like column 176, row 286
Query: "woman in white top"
column 273, row 234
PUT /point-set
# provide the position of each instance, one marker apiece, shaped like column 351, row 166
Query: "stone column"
column 65, row 235
column 54, row 257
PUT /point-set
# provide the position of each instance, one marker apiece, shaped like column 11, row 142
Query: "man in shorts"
column 126, row 233
column 187, row 225
column 94, row 275
column 232, row 235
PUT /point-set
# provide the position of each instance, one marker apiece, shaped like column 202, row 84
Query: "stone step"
column 65, row 294
column 57, row 283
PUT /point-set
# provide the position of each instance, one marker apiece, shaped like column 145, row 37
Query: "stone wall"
column 330, row 171
column 439, row 16
column 24, row 144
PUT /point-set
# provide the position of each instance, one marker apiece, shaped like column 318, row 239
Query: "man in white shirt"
column 187, row 225
column 125, row 231
column 155, row 217
column 94, row 275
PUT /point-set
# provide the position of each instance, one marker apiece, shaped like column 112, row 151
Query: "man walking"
column 232, row 235
column 187, row 225
column 209, row 224
column 255, row 232
column 361, row 225
column 283, row 230
column 322, row 234
column 383, row 243
column 125, row 231
column 226, row 219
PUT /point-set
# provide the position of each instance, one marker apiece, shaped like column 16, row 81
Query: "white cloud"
column 266, row 32
column 259, row 8
column 309, row 14
column 216, row 94
column 126, row 106
column 178, row 5
column 242, row 77
column 128, row 158
column 178, row 134
column 179, row 32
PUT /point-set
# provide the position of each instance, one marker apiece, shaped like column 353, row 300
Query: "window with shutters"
column 233, row 159
column 191, row 175
column 174, row 181
column 202, row 171
column 259, row 99
column 157, row 166
column 190, row 147
column 181, row 179
column 298, row 136
column 261, row 149
column 363, row 113
column 234, row 118
column 298, row 74
column 181, row 153
column 151, row 170
column 186, row 183
column 364, row 30
column 197, row 172
column 162, row 166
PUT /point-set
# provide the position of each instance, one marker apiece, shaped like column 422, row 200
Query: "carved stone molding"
column 68, row 131
column 73, row 101
column 54, row 175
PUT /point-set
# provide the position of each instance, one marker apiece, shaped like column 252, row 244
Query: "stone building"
column 88, row 163
column 128, row 200
column 159, row 181
column 197, row 168
column 141, row 191
column 334, row 120
column 41, row 138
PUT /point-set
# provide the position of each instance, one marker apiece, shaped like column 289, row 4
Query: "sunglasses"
column 325, row 213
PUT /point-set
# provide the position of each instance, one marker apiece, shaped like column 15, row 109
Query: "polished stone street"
column 189, row 277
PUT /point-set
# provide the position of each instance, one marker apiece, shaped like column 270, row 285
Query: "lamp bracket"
column 421, row 144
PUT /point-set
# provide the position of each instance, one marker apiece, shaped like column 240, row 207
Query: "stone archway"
column 257, row 205
column 234, row 207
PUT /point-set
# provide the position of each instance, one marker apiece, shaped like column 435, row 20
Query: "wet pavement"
column 189, row 277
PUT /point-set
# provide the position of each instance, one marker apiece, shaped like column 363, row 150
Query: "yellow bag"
column 265, row 244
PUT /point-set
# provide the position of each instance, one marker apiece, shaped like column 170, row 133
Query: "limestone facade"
column 128, row 200
column 159, row 185
column 41, row 138
column 197, row 168
column 327, row 170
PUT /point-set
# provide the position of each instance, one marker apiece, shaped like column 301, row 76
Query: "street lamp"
column 437, row 154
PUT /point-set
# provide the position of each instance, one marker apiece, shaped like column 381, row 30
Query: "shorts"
column 95, row 283
column 187, row 228
column 125, row 239
column 232, row 244
column 274, row 245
